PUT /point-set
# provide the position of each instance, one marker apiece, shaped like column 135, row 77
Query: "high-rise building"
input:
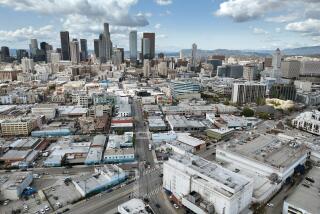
column 33, row 47
column 102, row 48
column 133, row 40
column 21, row 53
column 290, row 69
column 146, row 48
column 96, row 47
column 146, row 68
column 84, row 49
column 248, row 92
column 276, row 59
column 27, row 65
column 74, row 51
column 250, row 72
column 117, row 57
column 152, row 45
column 230, row 70
column 194, row 55
column 65, row 45
column 5, row 54
column 108, row 46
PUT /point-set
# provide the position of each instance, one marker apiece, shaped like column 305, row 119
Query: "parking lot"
column 61, row 194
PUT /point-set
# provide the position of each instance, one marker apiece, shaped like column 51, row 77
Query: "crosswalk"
column 153, row 192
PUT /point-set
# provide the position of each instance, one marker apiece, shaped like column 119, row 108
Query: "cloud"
column 116, row 12
column 163, row 2
column 278, row 30
column 246, row 10
column 307, row 26
column 259, row 31
column 157, row 26
column 282, row 18
column 26, row 33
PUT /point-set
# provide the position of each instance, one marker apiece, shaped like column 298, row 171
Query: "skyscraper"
column 21, row 53
column 108, row 45
column 276, row 59
column 65, row 45
column 96, row 47
column 152, row 44
column 146, row 50
column 193, row 55
column 33, row 47
column 5, row 54
column 102, row 48
column 74, row 51
column 133, row 46
column 84, row 49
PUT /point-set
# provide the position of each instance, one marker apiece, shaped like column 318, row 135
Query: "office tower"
column 96, row 47
column 233, row 71
column 102, row 48
column 133, row 46
column 108, row 45
column 146, row 68
column 181, row 54
column 84, row 49
column 194, row 55
column 65, row 45
column 310, row 71
column 21, row 53
column 117, row 58
column 5, row 54
column 33, row 47
column 290, row 69
column 276, row 59
column 179, row 88
column 55, row 58
column 250, row 72
column 283, row 91
column 152, row 44
column 161, row 56
column 163, row 69
column 122, row 54
column 248, row 92
column 74, row 51
column 27, row 65
column 146, row 48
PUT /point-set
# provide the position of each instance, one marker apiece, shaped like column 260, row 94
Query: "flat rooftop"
column 268, row 149
column 212, row 170
column 306, row 195
column 185, row 138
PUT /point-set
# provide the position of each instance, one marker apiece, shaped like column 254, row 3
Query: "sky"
column 211, row 24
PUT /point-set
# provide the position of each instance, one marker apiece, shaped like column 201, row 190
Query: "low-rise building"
column 194, row 181
column 220, row 134
column 118, row 155
column 103, row 178
column 134, row 206
column 308, row 121
column 305, row 198
column 181, row 123
column 17, row 127
column 13, row 184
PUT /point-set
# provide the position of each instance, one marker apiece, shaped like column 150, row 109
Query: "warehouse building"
column 13, row 184
column 205, row 187
column 103, row 178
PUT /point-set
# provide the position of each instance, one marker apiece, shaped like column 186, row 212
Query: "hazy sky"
column 232, row 24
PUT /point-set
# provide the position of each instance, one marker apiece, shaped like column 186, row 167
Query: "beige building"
column 16, row 127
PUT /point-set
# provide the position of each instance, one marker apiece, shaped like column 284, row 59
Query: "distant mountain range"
column 302, row 51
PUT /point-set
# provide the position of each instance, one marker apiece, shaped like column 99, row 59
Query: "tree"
column 263, row 115
column 247, row 112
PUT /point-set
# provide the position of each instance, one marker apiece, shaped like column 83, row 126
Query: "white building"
column 48, row 110
column 134, row 206
column 194, row 181
column 305, row 198
column 308, row 121
column 27, row 65
column 248, row 92
column 12, row 185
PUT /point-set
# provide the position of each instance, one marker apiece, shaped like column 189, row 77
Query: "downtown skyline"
column 211, row 24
